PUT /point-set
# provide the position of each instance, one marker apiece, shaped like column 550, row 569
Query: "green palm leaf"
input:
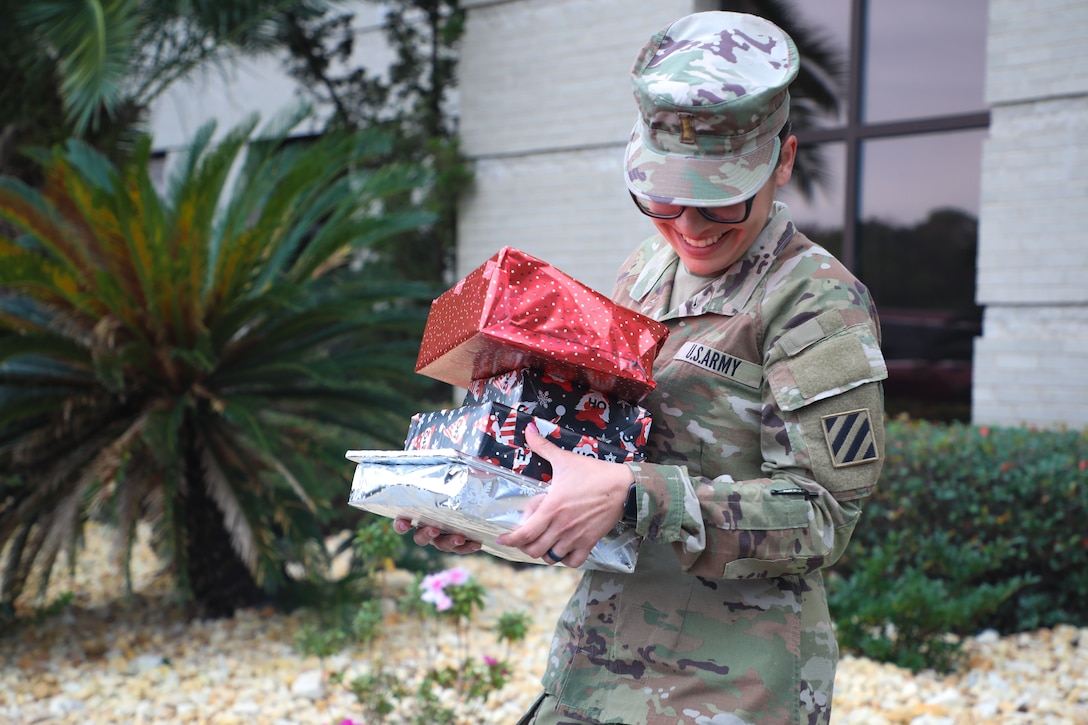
column 93, row 41
column 107, row 60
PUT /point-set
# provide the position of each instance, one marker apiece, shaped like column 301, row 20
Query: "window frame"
column 856, row 131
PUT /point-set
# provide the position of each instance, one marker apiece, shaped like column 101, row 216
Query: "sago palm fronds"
column 202, row 358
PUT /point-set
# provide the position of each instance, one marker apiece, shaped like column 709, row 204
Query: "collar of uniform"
column 660, row 267
column 732, row 290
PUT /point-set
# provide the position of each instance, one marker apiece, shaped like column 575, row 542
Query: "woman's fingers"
column 540, row 445
column 531, row 528
column 433, row 536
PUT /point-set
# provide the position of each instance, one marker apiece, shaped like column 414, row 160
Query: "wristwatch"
column 630, row 507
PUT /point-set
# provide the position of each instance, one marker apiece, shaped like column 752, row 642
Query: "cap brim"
column 696, row 180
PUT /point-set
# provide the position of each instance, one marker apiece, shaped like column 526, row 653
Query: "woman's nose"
column 691, row 221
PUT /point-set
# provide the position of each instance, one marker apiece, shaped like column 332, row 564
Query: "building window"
column 901, row 155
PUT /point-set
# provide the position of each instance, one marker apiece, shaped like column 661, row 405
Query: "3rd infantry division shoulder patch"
column 850, row 438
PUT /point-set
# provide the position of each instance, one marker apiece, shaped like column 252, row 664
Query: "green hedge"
column 970, row 528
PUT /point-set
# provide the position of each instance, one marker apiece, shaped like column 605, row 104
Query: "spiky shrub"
column 201, row 358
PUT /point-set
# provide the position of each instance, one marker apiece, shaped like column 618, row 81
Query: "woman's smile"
column 702, row 243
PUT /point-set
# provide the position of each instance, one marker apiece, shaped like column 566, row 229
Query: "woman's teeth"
column 701, row 242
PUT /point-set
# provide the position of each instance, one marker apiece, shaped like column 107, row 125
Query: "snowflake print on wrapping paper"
column 544, row 399
column 472, row 498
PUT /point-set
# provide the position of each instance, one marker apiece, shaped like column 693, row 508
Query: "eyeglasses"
column 731, row 214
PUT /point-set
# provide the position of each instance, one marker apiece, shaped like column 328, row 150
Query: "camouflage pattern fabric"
column 767, row 436
column 711, row 94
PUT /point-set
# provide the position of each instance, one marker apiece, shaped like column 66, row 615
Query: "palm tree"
column 199, row 359
column 90, row 68
column 108, row 52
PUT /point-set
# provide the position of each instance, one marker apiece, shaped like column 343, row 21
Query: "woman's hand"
column 583, row 503
column 433, row 536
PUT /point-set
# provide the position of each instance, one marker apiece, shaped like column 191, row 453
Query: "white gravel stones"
column 104, row 661
column 309, row 684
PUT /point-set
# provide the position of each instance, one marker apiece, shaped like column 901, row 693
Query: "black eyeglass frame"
column 705, row 211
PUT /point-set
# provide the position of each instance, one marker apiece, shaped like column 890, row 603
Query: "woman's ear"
column 784, row 171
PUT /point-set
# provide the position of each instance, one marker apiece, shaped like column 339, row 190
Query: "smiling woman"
column 767, row 432
column 701, row 237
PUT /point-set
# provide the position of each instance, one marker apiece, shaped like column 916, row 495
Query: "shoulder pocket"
column 815, row 369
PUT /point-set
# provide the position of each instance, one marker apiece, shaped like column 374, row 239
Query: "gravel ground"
column 104, row 661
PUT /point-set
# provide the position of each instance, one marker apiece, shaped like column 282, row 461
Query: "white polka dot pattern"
column 516, row 311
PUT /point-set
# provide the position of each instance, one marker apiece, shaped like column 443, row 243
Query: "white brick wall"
column 1031, row 367
column 1035, row 204
column 562, row 85
column 232, row 90
column 546, row 115
column 1035, row 49
column 568, row 208
column 1031, row 363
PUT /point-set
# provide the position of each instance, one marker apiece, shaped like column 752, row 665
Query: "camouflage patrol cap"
column 711, row 92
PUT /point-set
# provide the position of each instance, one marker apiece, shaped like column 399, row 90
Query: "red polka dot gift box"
column 516, row 311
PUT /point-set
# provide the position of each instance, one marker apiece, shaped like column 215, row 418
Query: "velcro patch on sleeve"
column 849, row 438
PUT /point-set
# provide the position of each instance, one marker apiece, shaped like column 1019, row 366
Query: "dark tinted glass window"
column 924, row 59
column 905, row 178
column 899, row 166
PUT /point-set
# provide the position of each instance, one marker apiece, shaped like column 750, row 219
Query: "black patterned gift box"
column 569, row 404
column 495, row 433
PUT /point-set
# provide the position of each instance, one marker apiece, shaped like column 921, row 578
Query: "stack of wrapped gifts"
column 529, row 344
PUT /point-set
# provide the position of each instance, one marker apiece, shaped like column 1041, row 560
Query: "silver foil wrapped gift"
column 461, row 494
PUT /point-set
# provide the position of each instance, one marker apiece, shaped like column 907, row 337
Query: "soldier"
column 768, row 418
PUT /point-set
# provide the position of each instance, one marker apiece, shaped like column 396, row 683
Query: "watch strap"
column 630, row 507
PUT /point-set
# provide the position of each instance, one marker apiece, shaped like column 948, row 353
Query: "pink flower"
column 434, row 587
column 434, row 591
column 457, row 576
column 490, row 661
column 433, row 583
column 439, row 599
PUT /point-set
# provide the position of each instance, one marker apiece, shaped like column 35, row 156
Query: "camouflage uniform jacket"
column 767, row 436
